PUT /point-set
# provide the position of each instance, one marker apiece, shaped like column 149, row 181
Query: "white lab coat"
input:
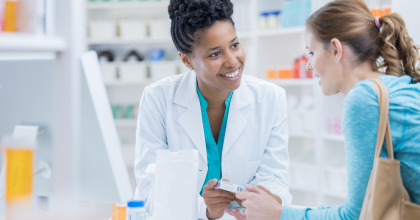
column 255, row 150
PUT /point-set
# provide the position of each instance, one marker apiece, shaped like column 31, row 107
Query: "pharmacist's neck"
column 352, row 75
column 214, row 97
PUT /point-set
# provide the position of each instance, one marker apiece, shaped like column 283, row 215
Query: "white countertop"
column 229, row 217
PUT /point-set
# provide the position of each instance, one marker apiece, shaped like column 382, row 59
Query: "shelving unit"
column 281, row 32
column 145, row 5
column 333, row 137
column 126, row 122
column 31, row 43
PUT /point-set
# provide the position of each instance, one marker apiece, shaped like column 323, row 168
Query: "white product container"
column 336, row 176
column 272, row 21
column 136, row 210
column 133, row 72
column 302, row 170
column 160, row 29
column 133, row 29
column 109, row 72
column 103, row 30
column 162, row 69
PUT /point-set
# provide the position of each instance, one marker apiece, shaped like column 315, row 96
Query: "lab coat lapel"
column 191, row 120
column 236, row 121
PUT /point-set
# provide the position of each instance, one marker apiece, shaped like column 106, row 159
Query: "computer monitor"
column 26, row 98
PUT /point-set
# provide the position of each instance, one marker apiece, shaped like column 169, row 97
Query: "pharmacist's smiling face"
column 219, row 58
column 321, row 62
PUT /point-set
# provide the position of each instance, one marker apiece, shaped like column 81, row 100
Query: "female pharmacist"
column 345, row 41
column 237, row 123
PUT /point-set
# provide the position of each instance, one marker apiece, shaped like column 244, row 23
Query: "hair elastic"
column 377, row 22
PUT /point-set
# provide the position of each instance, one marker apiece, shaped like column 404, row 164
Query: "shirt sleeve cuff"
column 201, row 208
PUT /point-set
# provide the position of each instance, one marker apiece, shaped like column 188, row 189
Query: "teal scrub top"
column 214, row 151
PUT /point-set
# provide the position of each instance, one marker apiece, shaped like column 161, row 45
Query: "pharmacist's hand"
column 216, row 200
column 259, row 204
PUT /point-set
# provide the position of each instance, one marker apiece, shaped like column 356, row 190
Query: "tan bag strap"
column 384, row 128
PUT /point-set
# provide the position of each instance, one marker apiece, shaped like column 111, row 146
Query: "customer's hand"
column 237, row 214
column 265, row 190
column 216, row 200
column 259, row 205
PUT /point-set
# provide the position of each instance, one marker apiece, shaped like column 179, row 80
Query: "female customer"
column 345, row 42
column 237, row 123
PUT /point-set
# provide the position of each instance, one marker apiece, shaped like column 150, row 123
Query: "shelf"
column 333, row 137
column 129, row 84
column 125, row 122
column 244, row 35
column 281, row 32
column 294, row 82
column 162, row 5
column 30, row 43
column 125, row 42
column 340, row 195
column 295, row 135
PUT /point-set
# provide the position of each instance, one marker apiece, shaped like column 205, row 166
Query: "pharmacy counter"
column 229, row 217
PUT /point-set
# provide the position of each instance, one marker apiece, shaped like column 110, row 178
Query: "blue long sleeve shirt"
column 360, row 128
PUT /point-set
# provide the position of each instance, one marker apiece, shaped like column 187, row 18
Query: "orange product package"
column 271, row 74
column 285, row 73
column 10, row 17
column 19, row 173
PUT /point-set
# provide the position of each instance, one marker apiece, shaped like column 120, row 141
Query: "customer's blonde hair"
column 352, row 23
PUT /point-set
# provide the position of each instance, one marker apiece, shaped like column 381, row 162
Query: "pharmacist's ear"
column 186, row 60
column 336, row 49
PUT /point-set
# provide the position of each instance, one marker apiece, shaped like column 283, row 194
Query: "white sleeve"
column 202, row 208
column 273, row 170
column 150, row 136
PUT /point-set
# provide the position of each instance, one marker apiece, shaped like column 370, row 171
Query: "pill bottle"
column 19, row 157
column 121, row 211
column 136, row 210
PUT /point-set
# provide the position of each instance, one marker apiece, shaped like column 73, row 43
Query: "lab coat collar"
column 191, row 120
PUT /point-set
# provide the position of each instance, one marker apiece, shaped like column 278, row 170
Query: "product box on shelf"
column 133, row 29
column 109, row 71
column 103, row 30
column 160, row 29
column 162, row 69
column 133, row 72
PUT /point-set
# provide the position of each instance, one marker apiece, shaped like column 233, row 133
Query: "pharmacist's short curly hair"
column 192, row 17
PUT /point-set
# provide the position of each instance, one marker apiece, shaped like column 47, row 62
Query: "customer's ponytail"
column 396, row 47
column 384, row 42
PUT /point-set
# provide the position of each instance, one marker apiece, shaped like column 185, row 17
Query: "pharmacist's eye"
column 311, row 53
column 215, row 54
column 235, row 45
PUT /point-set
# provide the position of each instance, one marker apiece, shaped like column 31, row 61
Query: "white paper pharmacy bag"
column 176, row 191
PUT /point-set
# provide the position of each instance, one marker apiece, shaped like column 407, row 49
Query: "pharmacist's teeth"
column 230, row 75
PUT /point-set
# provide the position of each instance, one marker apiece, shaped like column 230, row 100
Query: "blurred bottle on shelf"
column 27, row 16
column 299, row 67
column 295, row 13
column 380, row 8
column 10, row 24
